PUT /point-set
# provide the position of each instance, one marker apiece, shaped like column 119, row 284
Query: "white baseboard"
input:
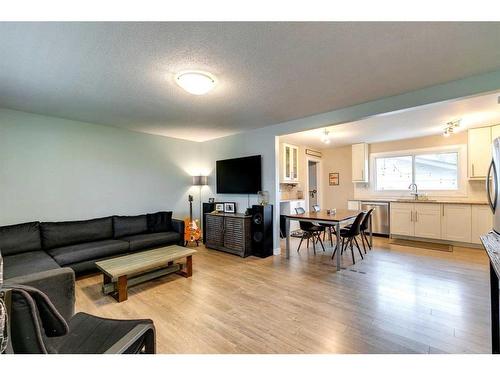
column 277, row 251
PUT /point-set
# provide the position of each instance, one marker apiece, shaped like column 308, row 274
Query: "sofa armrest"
column 178, row 226
column 58, row 284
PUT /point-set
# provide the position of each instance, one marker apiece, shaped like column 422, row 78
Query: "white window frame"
column 461, row 190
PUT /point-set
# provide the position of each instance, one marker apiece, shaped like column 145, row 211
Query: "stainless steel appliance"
column 492, row 188
column 380, row 216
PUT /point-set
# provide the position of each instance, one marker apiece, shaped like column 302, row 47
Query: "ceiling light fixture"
column 196, row 82
column 451, row 127
column 325, row 138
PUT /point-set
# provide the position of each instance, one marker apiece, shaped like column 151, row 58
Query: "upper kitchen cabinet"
column 290, row 164
column 360, row 162
column 495, row 132
column 479, row 151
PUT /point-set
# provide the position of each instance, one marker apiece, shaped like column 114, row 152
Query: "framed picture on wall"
column 333, row 178
column 230, row 207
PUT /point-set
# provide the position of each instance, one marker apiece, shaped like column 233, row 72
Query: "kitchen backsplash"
column 289, row 191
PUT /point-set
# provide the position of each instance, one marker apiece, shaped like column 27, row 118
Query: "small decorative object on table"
column 263, row 197
column 331, row 211
column 211, row 200
column 230, row 208
column 219, row 207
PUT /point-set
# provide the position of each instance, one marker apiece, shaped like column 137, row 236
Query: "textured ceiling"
column 416, row 122
column 121, row 74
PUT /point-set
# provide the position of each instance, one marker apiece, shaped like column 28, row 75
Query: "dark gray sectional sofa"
column 34, row 247
column 47, row 255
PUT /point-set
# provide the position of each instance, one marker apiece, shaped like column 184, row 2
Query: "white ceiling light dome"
column 196, row 82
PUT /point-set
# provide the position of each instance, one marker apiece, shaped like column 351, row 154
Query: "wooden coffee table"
column 129, row 270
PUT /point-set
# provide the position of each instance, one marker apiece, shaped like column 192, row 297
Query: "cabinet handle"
column 416, row 216
column 411, row 216
column 473, row 174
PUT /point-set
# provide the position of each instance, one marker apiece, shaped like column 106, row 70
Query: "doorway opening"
column 313, row 183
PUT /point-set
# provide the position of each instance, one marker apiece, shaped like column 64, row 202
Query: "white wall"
column 257, row 142
column 56, row 169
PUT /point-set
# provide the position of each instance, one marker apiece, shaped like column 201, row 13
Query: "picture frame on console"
column 219, row 207
column 230, row 207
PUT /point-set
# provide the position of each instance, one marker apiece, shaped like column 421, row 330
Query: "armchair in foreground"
column 36, row 327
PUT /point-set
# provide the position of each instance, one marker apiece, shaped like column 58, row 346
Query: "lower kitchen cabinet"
column 427, row 219
column 442, row 221
column 482, row 222
column 402, row 219
column 456, row 223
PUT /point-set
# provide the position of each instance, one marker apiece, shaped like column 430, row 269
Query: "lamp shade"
column 200, row 180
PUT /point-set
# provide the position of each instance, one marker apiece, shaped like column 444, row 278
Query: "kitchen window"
column 436, row 171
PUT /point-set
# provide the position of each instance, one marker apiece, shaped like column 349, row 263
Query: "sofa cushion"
column 27, row 263
column 129, row 225
column 87, row 251
column 20, row 238
column 75, row 232
column 160, row 222
column 150, row 240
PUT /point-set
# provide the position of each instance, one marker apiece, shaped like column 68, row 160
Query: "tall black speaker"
column 262, row 230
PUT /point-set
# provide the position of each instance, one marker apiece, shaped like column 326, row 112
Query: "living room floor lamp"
column 200, row 181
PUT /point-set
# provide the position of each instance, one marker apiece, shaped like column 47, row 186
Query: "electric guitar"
column 191, row 229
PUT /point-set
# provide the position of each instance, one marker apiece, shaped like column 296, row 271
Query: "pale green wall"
column 55, row 169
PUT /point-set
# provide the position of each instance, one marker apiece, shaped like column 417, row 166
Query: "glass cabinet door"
column 287, row 161
column 295, row 159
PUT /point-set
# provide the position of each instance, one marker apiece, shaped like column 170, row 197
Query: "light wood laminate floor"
column 398, row 300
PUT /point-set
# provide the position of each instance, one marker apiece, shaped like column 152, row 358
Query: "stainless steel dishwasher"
column 380, row 216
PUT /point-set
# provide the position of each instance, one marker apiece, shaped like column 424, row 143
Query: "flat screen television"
column 239, row 176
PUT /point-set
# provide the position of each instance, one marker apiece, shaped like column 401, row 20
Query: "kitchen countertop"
column 409, row 200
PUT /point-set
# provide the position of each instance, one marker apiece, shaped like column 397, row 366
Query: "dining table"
column 336, row 218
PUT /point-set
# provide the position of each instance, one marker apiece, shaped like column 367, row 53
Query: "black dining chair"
column 363, row 228
column 330, row 228
column 348, row 235
column 309, row 231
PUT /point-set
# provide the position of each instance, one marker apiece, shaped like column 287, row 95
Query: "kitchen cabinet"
column 360, row 162
column 482, row 222
column 401, row 219
column 287, row 207
column 427, row 220
column 495, row 132
column 479, row 152
column 456, row 223
column 416, row 220
column 290, row 163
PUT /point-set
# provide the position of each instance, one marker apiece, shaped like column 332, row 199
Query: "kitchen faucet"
column 414, row 189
